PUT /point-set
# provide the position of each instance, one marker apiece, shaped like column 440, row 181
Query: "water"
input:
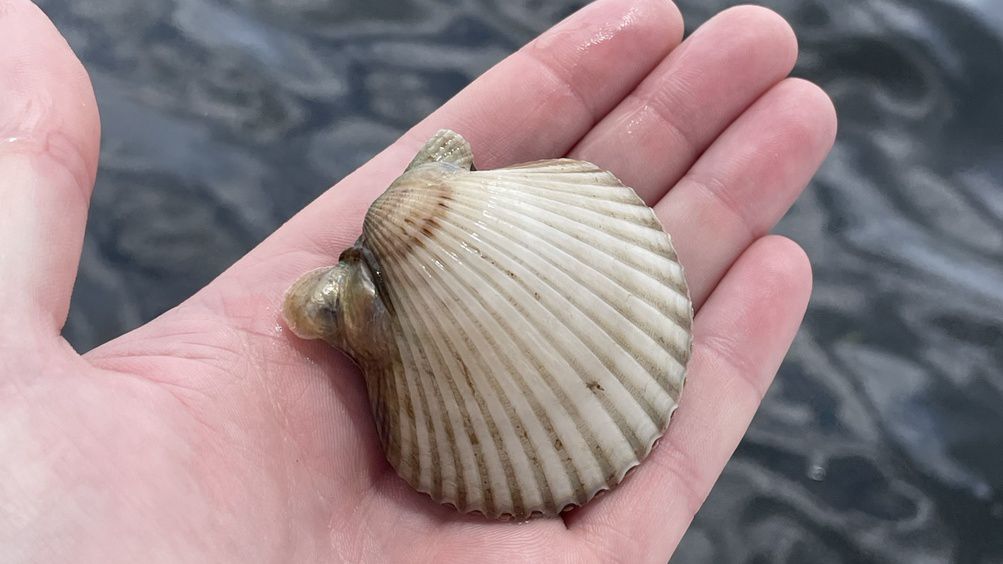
column 882, row 439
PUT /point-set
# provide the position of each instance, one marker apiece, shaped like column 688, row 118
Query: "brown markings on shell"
column 424, row 182
column 543, row 416
column 400, row 253
column 428, row 227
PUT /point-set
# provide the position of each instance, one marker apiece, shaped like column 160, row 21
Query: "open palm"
column 213, row 434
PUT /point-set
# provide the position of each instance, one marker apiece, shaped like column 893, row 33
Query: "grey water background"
column 882, row 439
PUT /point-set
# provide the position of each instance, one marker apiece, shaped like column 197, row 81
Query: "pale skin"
column 213, row 435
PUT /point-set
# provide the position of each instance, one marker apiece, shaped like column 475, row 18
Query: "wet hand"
column 212, row 434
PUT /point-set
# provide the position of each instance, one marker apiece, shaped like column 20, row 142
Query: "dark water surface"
column 882, row 439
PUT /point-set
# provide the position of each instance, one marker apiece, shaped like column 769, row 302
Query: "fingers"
column 734, row 193
column 746, row 181
column 740, row 337
column 48, row 156
column 534, row 104
column 656, row 133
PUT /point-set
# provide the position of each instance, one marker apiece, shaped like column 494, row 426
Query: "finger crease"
column 718, row 191
column 565, row 83
column 726, row 350
column 661, row 111
column 674, row 462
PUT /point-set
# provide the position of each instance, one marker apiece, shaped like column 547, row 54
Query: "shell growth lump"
column 523, row 332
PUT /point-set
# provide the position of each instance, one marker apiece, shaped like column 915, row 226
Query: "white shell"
column 542, row 326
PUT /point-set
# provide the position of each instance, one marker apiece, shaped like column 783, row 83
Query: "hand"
column 212, row 434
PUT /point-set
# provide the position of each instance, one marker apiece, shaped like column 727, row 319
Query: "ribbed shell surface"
column 543, row 326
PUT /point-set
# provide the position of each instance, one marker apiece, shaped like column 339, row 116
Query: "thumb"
column 49, row 131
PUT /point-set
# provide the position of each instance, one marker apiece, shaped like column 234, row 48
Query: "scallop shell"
column 523, row 332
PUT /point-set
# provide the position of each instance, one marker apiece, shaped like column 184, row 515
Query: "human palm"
column 213, row 434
